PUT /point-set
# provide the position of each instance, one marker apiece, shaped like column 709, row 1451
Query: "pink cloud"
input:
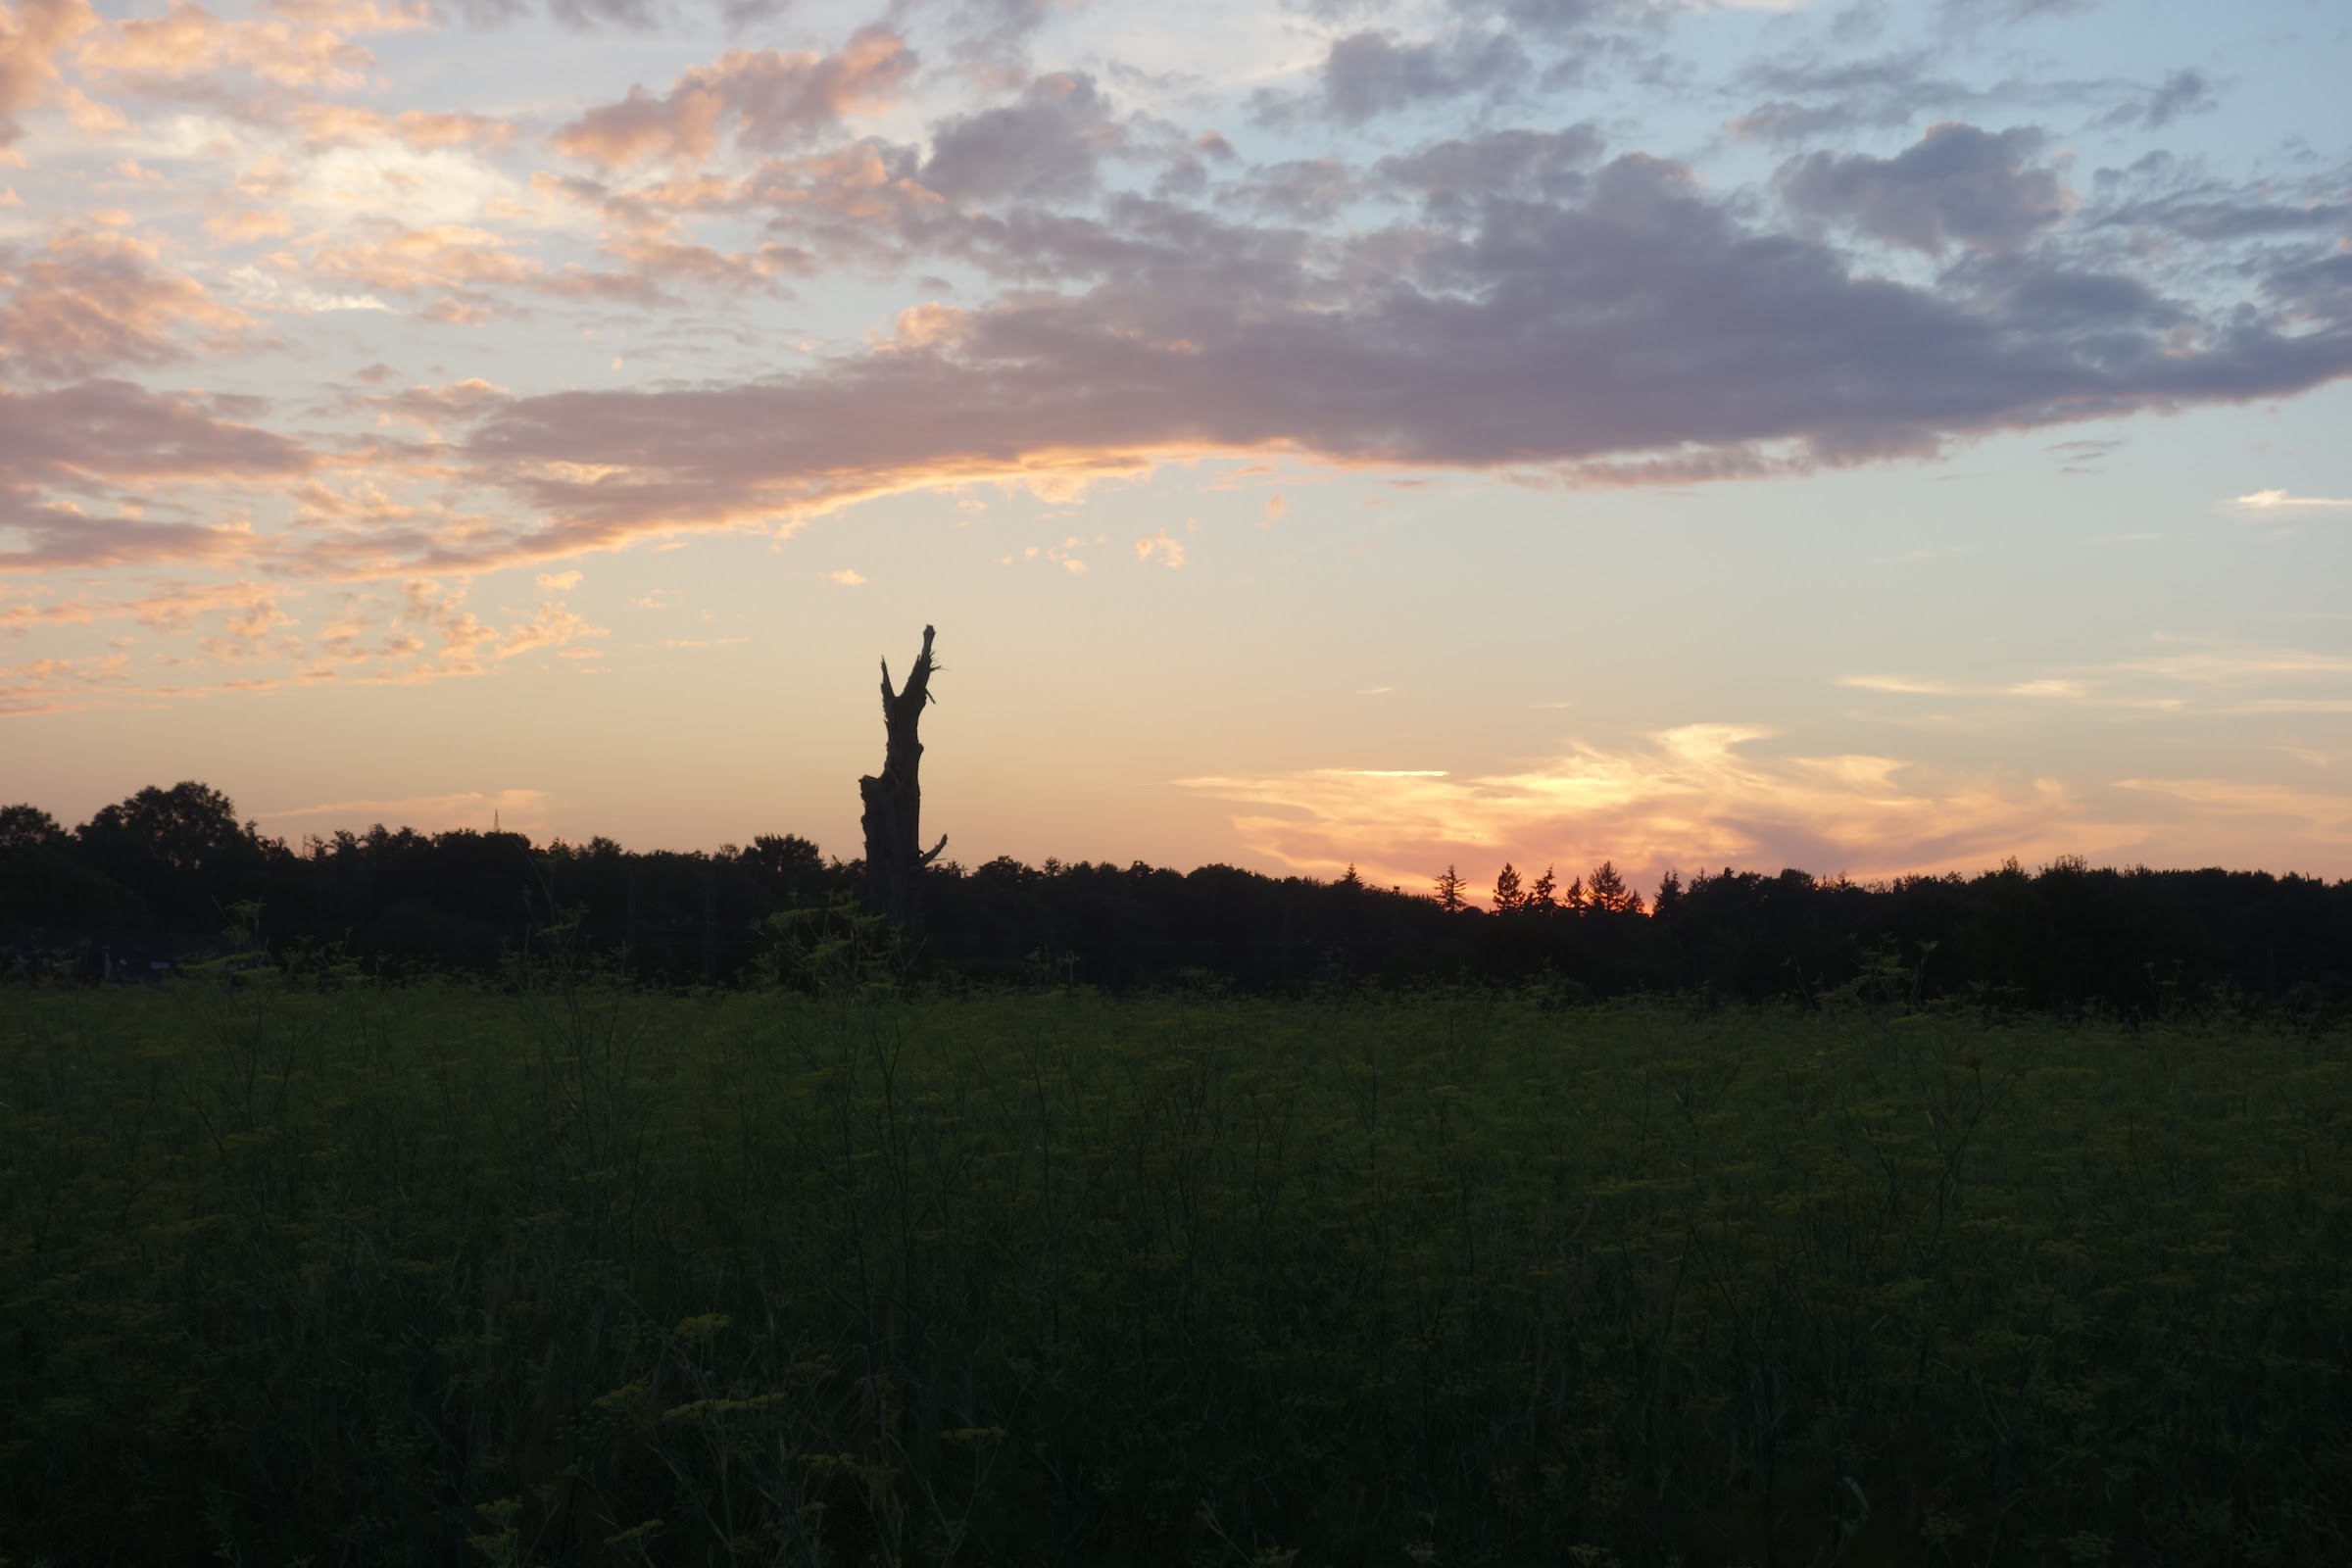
column 95, row 436
column 650, row 263
column 112, row 431
column 33, row 33
column 91, row 301
column 770, row 98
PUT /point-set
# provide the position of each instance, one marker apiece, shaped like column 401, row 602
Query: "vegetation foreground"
column 347, row 1273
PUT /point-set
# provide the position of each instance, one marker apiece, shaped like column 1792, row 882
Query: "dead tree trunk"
column 894, row 801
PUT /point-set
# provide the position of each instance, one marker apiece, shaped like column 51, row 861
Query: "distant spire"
column 493, row 827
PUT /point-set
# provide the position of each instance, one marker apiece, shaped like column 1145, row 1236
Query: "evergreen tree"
column 1449, row 891
column 1507, row 896
column 1545, row 895
column 1575, row 901
column 1670, row 891
column 1351, row 881
column 1610, row 895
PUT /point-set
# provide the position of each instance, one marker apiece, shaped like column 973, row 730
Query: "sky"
column 1870, row 438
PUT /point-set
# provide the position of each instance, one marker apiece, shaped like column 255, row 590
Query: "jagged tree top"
column 902, row 706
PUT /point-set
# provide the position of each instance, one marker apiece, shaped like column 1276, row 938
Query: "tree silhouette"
column 1544, row 896
column 1449, row 891
column 1670, row 891
column 28, row 827
column 182, row 850
column 1507, row 896
column 1610, row 895
column 894, row 797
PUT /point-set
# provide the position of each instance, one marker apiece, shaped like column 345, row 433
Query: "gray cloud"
column 1372, row 72
column 584, row 15
column 1640, row 330
column 488, row 14
column 1957, row 184
column 1305, row 191
column 2183, row 92
column 1559, row 18
column 737, row 16
column 1808, row 94
column 1144, row 242
column 1452, row 176
column 991, row 34
column 2162, row 194
column 1985, row 12
column 1815, row 97
column 1049, row 145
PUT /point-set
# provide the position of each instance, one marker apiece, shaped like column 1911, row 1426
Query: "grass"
column 358, row 1274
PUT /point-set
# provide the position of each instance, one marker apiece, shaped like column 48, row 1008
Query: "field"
column 349, row 1273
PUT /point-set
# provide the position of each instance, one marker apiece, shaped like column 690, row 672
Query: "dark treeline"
column 157, row 877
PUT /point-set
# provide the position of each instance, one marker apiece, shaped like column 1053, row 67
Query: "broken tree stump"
column 894, row 797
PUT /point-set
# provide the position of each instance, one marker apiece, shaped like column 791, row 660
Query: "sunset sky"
column 1864, row 437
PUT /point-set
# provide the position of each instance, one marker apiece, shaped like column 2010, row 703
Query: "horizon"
column 1873, row 439
column 1478, row 890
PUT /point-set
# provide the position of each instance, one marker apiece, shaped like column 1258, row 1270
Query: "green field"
column 432, row 1274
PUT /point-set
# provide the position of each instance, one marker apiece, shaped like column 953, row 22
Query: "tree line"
column 156, row 877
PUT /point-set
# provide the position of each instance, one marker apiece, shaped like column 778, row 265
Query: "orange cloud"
column 465, row 640
column 171, row 606
column 771, row 98
column 324, row 124
column 407, row 261
column 357, row 15
column 301, row 46
column 247, row 225
column 1689, row 797
column 44, row 685
column 15, row 619
column 550, row 626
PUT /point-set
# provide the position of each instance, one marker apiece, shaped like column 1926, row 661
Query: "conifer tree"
column 1507, row 896
column 1610, row 895
column 1545, row 895
column 1449, row 891
column 1670, row 891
